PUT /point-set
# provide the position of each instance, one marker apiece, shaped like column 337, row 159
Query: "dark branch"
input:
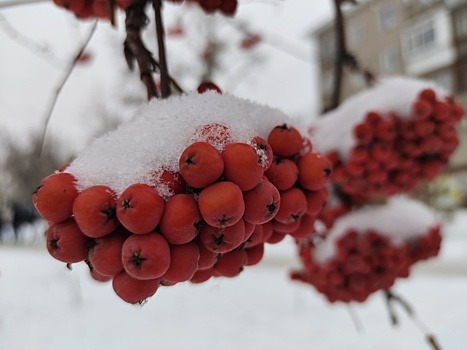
column 352, row 63
column 392, row 298
column 62, row 83
column 35, row 47
column 165, row 79
column 455, row 169
column 343, row 57
column 341, row 50
column 134, row 48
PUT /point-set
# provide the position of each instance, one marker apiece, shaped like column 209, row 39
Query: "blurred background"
column 276, row 52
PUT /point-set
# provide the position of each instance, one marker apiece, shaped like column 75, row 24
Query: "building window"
column 355, row 34
column 461, row 22
column 444, row 79
column 421, row 37
column 387, row 16
column 390, row 60
column 328, row 47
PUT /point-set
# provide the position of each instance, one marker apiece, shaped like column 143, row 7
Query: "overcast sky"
column 27, row 80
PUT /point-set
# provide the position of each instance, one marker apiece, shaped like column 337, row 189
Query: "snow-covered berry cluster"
column 91, row 8
column 226, row 7
column 391, row 151
column 367, row 250
column 151, row 220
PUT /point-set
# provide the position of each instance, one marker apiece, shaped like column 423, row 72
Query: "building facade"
column 420, row 38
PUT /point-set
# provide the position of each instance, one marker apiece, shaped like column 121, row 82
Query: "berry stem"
column 344, row 58
column 392, row 298
column 340, row 52
column 62, row 83
column 134, row 48
column 164, row 70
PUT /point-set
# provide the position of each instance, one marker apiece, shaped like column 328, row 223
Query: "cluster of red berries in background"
column 391, row 154
column 364, row 263
column 226, row 7
column 91, row 8
column 224, row 204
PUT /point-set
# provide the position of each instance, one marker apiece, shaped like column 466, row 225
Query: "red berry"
column 261, row 203
column 254, row 254
column 283, row 173
column 222, row 240
column 315, row 200
column 242, row 165
column 200, row 164
column 94, row 211
column 306, row 227
column 106, row 255
column 293, row 206
column 285, row 141
column 228, row 7
column 201, row 276
column 54, row 198
column 146, row 257
column 363, row 133
column 421, row 109
column 140, row 208
column 314, row 171
column 428, row 95
column 173, row 181
column 183, row 262
column 181, row 220
column 276, row 237
column 221, row 204
column 207, row 258
column 264, row 152
column 66, row 242
column 205, row 86
column 218, row 135
column 133, row 290
column 256, row 237
column 232, row 263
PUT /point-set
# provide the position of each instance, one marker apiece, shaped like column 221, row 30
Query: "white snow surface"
column 156, row 137
column 399, row 219
column 334, row 130
column 44, row 306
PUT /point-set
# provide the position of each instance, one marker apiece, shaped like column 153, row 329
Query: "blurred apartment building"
column 419, row 38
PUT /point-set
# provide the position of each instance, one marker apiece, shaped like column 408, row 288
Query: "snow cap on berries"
column 400, row 219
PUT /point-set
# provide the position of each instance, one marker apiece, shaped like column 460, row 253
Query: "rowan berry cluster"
column 364, row 263
column 226, row 200
column 226, row 7
column 91, row 8
column 393, row 154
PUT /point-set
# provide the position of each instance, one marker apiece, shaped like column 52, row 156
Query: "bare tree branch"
column 62, row 83
column 134, row 48
column 392, row 298
column 36, row 48
column 11, row 3
column 163, row 68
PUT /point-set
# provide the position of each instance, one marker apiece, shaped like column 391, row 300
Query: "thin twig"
column 455, row 169
column 355, row 319
column 391, row 298
column 12, row 3
column 134, row 48
column 352, row 63
column 274, row 40
column 340, row 54
column 62, row 83
column 40, row 50
column 111, row 11
column 164, row 70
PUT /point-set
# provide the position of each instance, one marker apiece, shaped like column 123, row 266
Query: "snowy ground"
column 45, row 306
